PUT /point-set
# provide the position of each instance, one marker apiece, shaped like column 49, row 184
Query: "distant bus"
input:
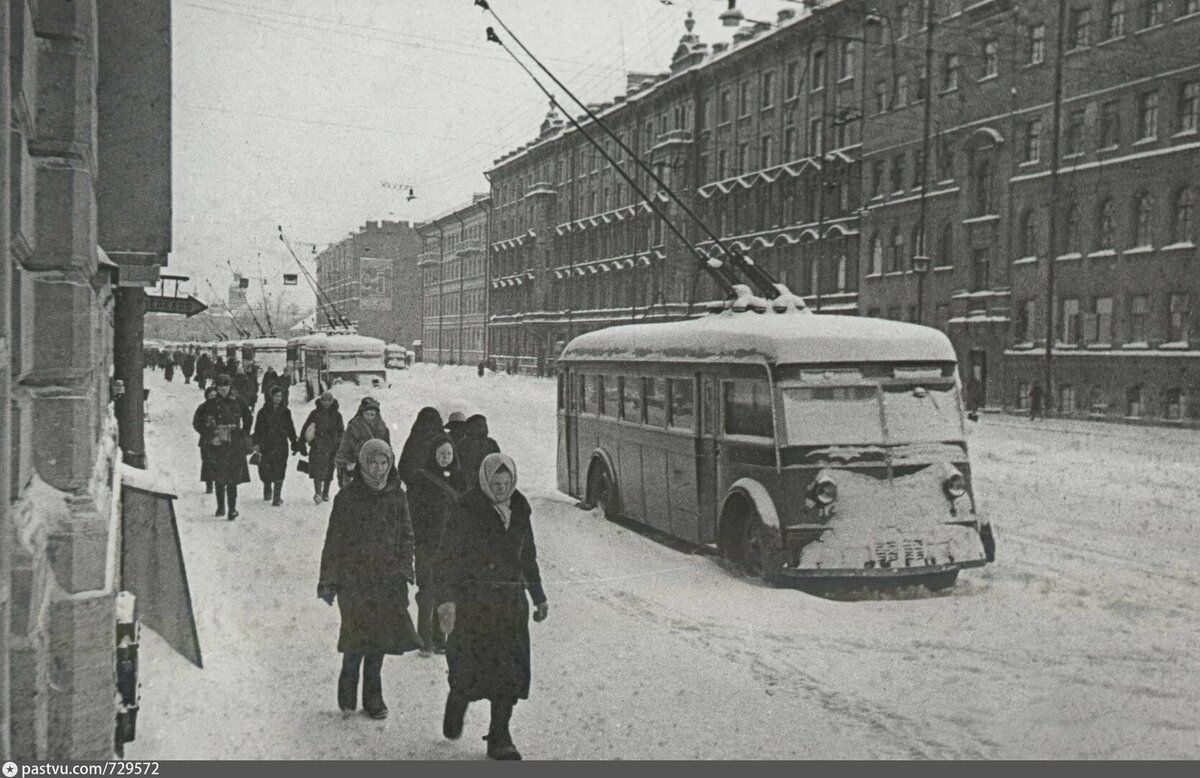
column 801, row 446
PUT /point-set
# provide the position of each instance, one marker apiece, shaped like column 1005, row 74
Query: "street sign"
column 188, row 306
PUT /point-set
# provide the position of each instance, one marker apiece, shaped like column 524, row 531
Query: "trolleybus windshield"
column 869, row 414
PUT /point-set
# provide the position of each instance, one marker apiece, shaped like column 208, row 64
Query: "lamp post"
column 920, row 266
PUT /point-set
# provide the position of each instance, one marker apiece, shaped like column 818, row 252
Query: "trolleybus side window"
column 631, row 400
column 656, row 401
column 748, row 408
column 683, row 405
column 591, row 393
column 612, row 396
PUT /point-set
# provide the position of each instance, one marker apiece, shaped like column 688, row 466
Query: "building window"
column 903, row 21
column 949, row 72
column 1110, row 124
column 1103, row 307
column 877, row 178
column 881, row 96
column 1133, row 402
column 846, row 59
column 1143, row 214
column 1066, row 399
column 841, row 273
column 743, row 158
column 981, row 266
column 1104, row 225
column 1037, row 44
column 1116, row 19
column 982, row 185
column 897, row 263
column 765, row 152
column 1139, row 315
column 1189, row 7
column 1071, row 230
column 918, row 171
column 1078, row 25
column 1029, row 234
column 723, row 106
column 744, row 98
column 1033, row 141
column 818, row 70
column 1069, row 321
column 991, row 58
column 1148, row 115
column 722, row 164
column 815, row 141
column 1152, row 13
column 1189, row 106
column 876, row 255
column 768, row 89
column 1026, row 322
column 945, row 253
column 1073, row 140
column 1177, row 324
column 1183, row 219
column 792, row 79
column 901, row 90
column 898, row 173
column 789, row 143
column 945, row 160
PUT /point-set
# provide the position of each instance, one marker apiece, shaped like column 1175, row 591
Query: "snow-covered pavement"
column 1081, row 641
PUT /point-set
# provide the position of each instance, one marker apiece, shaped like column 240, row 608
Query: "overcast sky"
column 297, row 112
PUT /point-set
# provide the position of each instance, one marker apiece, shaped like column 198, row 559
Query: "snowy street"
column 1081, row 641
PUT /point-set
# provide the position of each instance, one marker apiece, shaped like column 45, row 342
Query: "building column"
column 128, row 364
column 6, row 463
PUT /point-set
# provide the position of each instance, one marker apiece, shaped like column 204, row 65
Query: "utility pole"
column 1052, row 231
column 920, row 262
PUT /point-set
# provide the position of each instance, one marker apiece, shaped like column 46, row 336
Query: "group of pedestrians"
column 445, row 517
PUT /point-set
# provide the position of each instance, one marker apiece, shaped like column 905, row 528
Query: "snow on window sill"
column 1146, row 141
column 1073, row 155
column 1186, row 17
column 891, row 273
column 989, row 217
column 1135, row 346
column 1025, row 261
column 1158, row 26
column 1099, row 253
column 1175, row 345
column 1183, row 245
column 1029, row 163
column 989, row 77
column 1099, row 346
column 1108, row 41
column 1068, row 257
column 1067, row 346
column 874, row 275
column 1186, row 134
column 1138, row 250
column 943, row 268
column 1022, row 346
column 1109, row 148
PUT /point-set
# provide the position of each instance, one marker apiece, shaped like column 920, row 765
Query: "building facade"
column 758, row 138
column 85, row 227
column 453, row 267
column 372, row 279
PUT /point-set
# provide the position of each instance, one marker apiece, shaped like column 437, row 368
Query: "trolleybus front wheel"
column 602, row 491
column 746, row 542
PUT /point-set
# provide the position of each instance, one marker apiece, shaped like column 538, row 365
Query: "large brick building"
column 372, row 278
column 811, row 143
column 85, row 172
column 454, row 284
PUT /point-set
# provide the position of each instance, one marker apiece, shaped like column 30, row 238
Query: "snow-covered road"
column 1081, row 641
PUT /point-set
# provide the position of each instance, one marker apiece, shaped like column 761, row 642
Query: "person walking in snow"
column 269, row 379
column 432, row 490
column 475, row 445
column 169, row 369
column 367, row 424
column 206, row 447
column 203, row 366
column 486, row 563
column 322, row 435
column 367, row 566
column 187, row 364
column 454, row 428
column 227, row 423
column 274, row 432
column 426, row 427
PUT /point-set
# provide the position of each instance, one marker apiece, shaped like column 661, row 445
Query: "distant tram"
column 809, row 447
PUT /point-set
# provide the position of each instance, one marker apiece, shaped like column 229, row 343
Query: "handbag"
column 302, row 465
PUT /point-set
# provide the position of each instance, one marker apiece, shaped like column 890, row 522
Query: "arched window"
column 1071, row 225
column 1104, row 224
column 897, row 263
column 876, row 255
column 1029, row 233
column 945, row 252
column 1183, row 221
column 1066, row 399
column 1143, row 212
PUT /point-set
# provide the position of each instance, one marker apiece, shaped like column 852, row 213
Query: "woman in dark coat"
column 367, row 424
column 322, row 434
column 431, row 493
column 204, row 365
column 206, row 447
column 475, row 444
column 274, row 433
column 367, row 565
column 227, row 423
column 486, row 563
column 426, row 427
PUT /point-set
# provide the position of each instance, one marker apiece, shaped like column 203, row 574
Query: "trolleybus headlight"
column 955, row 485
column 825, row 491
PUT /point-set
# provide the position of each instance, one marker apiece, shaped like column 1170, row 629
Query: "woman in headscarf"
column 431, row 492
column 274, row 432
column 426, row 427
column 475, row 445
column 322, row 434
column 206, row 447
column 486, row 563
column 366, row 425
column 226, row 422
column 367, row 565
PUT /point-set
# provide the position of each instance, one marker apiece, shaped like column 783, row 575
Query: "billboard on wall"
column 375, row 284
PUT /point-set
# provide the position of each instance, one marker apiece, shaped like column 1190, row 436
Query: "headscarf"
column 326, row 397
column 491, row 464
column 369, row 452
column 378, row 427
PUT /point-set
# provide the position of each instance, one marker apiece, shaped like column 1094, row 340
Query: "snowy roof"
column 790, row 337
column 267, row 343
column 354, row 343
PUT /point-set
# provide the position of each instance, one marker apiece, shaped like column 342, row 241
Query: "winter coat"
column 206, row 448
column 188, row 365
column 485, row 570
column 431, row 493
column 428, row 425
column 475, row 445
column 228, row 457
column 325, row 443
column 269, row 379
column 204, row 365
column 243, row 384
column 274, row 433
column 358, row 432
column 368, row 557
column 169, row 370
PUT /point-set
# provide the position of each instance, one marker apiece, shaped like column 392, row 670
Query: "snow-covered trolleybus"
column 802, row 446
column 268, row 352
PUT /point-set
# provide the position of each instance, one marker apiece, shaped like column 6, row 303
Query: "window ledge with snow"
column 1146, row 141
column 1100, row 253
column 943, row 268
column 1025, row 261
column 1099, row 346
column 1067, row 346
column 1022, row 346
column 1138, row 250
column 874, row 275
column 1175, row 345
column 891, row 273
column 1185, row 134
column 1029, row 163
column 1186, row 17
column 1151, row 28
column 1135, row 346
column 1068, row 257
column 1183, row 245
column 987, row 217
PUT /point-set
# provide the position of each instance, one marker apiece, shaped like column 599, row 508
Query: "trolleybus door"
column 568, row 406
column 706, row 457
